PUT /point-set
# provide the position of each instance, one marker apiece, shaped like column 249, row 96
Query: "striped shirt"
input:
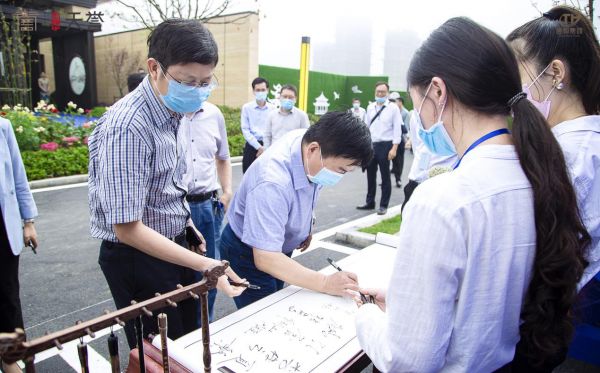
column 134, row 172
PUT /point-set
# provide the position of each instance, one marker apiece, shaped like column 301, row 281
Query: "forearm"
column 225, row 175
column 148, row 241
column 395, row 147
column 286, row 269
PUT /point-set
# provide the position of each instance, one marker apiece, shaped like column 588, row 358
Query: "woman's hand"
column 231, row 290
column 378, row 295
column 30, row 235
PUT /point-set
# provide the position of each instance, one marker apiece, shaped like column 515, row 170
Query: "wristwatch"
column 25, row 221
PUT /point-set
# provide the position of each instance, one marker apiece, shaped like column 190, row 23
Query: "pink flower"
column 85, row 140
column 49, row 146
column 87, row 125
column 70, row 140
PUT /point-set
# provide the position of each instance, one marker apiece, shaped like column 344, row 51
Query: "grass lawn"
column 389, row 226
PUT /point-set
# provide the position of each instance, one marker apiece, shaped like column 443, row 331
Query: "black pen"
column 244, row 285
column 334, row 264
column 30, row 244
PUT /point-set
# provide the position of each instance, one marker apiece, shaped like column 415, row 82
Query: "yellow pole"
column 304, row 62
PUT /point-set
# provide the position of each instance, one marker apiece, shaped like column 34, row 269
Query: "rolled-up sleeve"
column 223, row 144
column 266, row 214
column 414, row 333
column 125, row 177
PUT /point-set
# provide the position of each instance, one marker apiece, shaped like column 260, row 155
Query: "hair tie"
column 516, row 98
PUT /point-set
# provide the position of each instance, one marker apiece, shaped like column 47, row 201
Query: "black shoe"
column 382, row 211
column 366, row 206
column 398, row 184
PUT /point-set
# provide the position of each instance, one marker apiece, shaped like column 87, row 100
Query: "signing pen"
column 244, row 285
column 30, row 244
column 334, row 264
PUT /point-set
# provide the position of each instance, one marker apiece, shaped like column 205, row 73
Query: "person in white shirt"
column 385, row 123
column 484, row 247
column 357, row 110
column 287, row 118
column 561, row 76
column 253, row 119
column 203, row 138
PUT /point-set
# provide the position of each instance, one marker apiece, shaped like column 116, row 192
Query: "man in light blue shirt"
column 272, row 213
column 254, row 118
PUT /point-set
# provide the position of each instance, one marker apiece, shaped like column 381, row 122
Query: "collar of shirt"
column 287, row 113
column 298, row 172
column 585, row 123
column 159, row 111
column 264, row 107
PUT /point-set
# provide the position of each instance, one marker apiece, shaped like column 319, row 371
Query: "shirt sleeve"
column 246, row 128
column 27, row 206
column 268, row 135
column 223, row 145
column 367, row 117
column 414, row 333
column 265, row 217
column 397, row 123
column 125, row 175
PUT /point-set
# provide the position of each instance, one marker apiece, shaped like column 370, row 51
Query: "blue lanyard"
column 494, row 133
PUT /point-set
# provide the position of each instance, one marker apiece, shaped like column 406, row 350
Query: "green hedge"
column 62, row 162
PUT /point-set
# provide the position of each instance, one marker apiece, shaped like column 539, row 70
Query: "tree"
column 15, row 63
column 121, row 65
column 150, row 13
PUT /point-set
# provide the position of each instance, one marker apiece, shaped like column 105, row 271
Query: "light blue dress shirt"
column 273, row 208
column 254, row 119
column 16, row 200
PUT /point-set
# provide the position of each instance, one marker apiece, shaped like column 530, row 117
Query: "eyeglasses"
column 214, row 83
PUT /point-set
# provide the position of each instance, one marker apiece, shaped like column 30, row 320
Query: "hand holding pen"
column 341, row 283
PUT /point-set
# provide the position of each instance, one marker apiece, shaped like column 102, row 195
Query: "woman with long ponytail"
column 560, row 72
column 491, row 252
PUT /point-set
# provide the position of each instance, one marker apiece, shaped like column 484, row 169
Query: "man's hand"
column 195, row 240
column 392, row 154
column 259, row 151
column 408, row 144
column 225, row 200
column 340, row 283
column 305, row 244
column 30, row 235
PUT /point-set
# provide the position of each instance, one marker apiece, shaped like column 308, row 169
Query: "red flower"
column 55, row 110
column 49, row 146
column 87, row 111
column 3, row 113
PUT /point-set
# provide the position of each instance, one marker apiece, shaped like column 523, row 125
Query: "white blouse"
column 580, row 141
column 461, row 272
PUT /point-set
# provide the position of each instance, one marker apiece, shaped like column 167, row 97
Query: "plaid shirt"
column 136, row 170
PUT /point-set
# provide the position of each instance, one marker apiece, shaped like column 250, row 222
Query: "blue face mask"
column 325, row 177
column 380, row 100
column 181, row 98
column 287, row 104
column 436, row 139
column 260, row 96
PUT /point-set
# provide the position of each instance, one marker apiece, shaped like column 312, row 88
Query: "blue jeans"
column 208, row 219
column 241, row 259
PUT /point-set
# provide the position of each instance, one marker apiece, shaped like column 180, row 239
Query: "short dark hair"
column 401, row 100
column 356, row 99
column 381, row 82
column 341, row 134
column 258, row 81
column 290, row 87
column 133, row 80
column 177, row 41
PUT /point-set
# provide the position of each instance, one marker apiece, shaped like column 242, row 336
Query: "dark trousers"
column 398, row 162
column 241, row 259
column 408, row 191
column 249, row 156
column 11, row 316
column 380, row 160
column 134, row 275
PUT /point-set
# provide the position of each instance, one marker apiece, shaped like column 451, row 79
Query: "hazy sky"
column 284, row 22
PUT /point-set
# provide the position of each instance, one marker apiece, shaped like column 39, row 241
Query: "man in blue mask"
column 136, row 189
column 271, row 214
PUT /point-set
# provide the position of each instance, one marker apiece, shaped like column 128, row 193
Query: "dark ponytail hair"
column 481, row 72
column 549, row 37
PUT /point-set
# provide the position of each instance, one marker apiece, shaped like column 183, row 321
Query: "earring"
column 560, row 86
